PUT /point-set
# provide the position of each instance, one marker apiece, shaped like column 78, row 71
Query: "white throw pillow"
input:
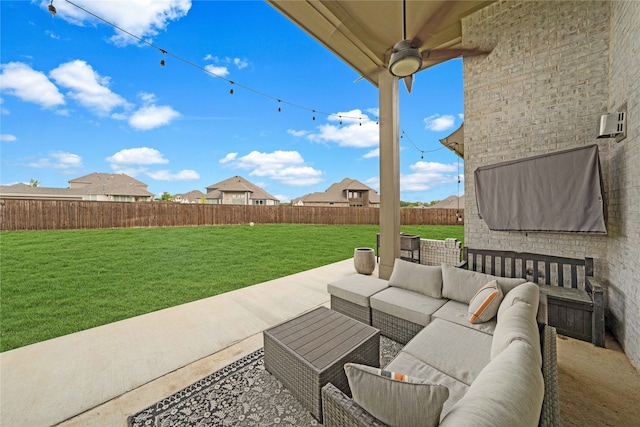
column 411, row 276
column 395, row 399
column 485, row 303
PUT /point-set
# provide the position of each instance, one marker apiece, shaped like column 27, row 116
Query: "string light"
column 279, row 109
column 52, row 9
column 404, row 134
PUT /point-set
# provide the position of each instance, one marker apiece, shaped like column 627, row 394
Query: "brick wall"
column 624, row 179
column 543, row 89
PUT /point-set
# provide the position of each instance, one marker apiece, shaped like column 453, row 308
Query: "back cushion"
column 517, row 323
column 527, row 292
column 461, row 285
column 508, row 392
column 411, row 276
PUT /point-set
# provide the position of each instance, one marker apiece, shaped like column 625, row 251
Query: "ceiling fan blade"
column 446, row 54
column 408, row 82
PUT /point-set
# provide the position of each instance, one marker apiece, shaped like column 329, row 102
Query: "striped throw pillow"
column 485, row 303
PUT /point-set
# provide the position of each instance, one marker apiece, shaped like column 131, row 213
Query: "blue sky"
column 78, row 96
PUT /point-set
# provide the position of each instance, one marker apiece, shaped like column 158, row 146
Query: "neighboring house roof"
column 337, row 193
column 190, row 197
column 237, row 184
column 450, row 202
column 21, row 190
column 110, row 184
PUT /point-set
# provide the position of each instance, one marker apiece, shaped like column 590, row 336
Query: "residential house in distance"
column 195, row 196
column 238, row 191
column 24, row 191
column 111, row 187
column 348, row 192
column 451, row 202
column 97, row 186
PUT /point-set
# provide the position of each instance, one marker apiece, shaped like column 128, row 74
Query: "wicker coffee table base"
column 310, row 351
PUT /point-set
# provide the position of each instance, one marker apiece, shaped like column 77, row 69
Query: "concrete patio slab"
column 52, row 381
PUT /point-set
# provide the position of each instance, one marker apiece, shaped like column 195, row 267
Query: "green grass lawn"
column 57, row 282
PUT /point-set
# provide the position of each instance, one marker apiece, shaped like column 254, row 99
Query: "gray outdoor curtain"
column 558, row 192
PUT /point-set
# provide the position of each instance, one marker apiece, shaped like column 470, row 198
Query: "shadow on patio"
column 107, row 373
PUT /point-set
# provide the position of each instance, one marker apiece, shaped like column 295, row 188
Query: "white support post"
column 389, row 173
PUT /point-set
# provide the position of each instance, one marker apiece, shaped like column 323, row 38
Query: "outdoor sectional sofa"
column 500, row 370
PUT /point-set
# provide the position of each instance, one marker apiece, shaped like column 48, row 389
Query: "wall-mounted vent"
column 613, row 125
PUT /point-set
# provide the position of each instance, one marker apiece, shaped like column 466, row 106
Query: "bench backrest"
column 536, row 268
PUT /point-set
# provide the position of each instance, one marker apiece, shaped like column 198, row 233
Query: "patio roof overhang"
column 363, row 34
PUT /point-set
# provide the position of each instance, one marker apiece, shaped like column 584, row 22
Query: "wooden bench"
column 572, row 300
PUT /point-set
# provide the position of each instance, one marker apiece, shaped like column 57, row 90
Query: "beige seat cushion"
column 404, row 362
column 357, row 288
column 457, row 312
column 456, row 350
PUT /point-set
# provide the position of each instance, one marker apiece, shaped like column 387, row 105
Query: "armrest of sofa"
column 594, row 287
column 339, row 410
column 550, row 412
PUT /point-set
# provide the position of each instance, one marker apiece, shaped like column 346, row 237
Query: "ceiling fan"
column 406, row 58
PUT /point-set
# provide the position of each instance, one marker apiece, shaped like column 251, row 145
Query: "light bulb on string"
column 52, row 9
column 162, row 63
column 231, row 90
column 314, row 115
column 279, row 109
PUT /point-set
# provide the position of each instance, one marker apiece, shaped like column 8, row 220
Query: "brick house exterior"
column 555, row 68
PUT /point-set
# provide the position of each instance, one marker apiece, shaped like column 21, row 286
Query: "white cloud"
column 6, row 137
column 58, row 160
column 137, row 156
column 298, row 133
column 372, row 153
column 152, row 116
column 183, row 175
column 357, row 130
column 128, row 170
column 240, row 63
column 217, row 70
column 87, row 86
column 286, row 167
column 428, row 175
column 438, row 123
column 144, row 18
column 21, row 80
column 229, row 158
column 461, row 116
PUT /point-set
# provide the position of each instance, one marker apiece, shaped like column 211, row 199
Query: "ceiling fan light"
column 405, row 60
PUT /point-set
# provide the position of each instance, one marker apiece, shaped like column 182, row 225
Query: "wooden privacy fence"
column 74, row 214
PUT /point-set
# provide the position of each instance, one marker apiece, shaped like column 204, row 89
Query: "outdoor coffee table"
column 310, row 351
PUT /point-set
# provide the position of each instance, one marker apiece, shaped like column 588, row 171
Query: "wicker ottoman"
column 310, row 351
